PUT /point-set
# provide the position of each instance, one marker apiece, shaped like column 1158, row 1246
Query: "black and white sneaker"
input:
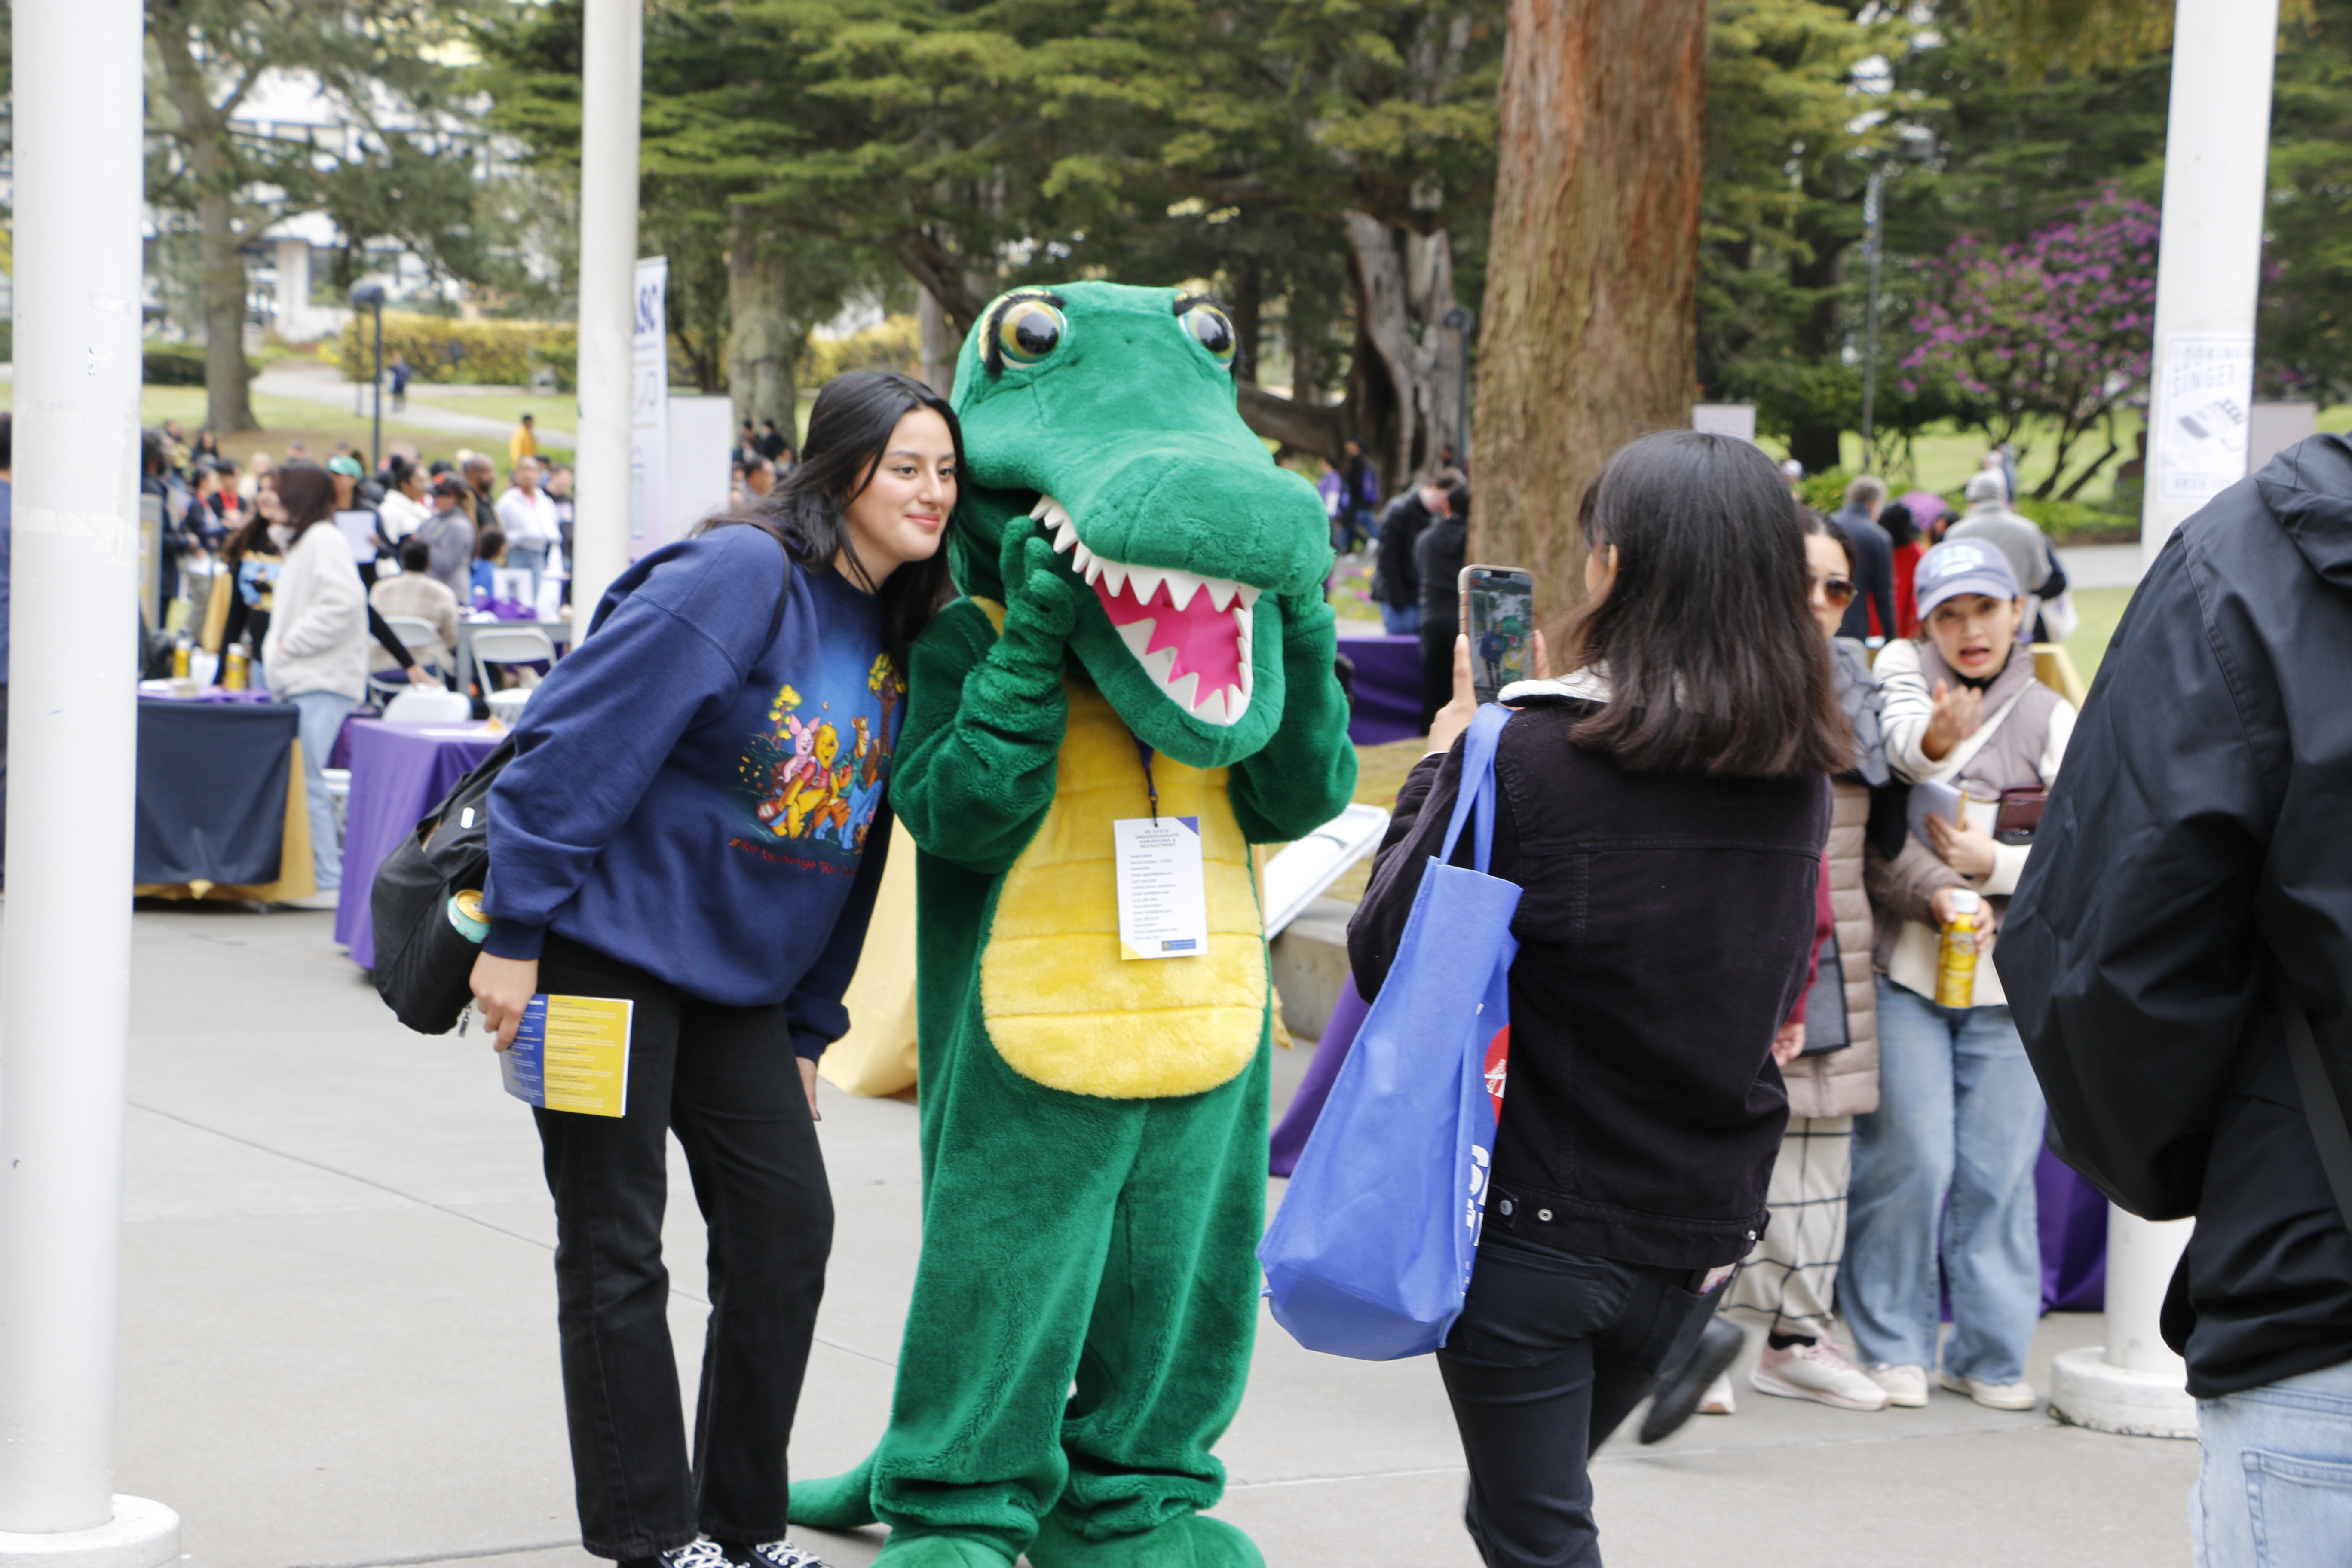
column 780, row 1554
column 699, row 1552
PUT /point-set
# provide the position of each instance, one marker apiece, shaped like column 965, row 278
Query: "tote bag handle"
column 1477, row 786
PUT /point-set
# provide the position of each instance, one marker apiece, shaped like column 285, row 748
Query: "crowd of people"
column 306, row 565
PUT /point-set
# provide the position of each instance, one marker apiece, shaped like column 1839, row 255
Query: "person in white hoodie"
column 316, row 652
column 1959, row 1114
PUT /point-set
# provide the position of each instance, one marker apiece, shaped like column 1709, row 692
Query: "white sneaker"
column 1905, row 1385
column 1992, row 1395
column 1818, row 1371
column 1718, row 1400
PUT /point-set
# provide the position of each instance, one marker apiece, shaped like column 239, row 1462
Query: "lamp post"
column 65, row 970
column 370, row 296
column 1873, row 197
column 1463, row 322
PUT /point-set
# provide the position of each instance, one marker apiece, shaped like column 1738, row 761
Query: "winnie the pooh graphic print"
column 814, row 775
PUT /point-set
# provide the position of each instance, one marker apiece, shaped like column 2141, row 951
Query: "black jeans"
column 725, row 1080
column 1552, row 1350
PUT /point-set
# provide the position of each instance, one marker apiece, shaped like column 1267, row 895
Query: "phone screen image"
column 1499, row 617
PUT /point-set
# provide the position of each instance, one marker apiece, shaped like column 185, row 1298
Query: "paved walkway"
column 325, row 384
column 2103, row 565
column 339, row 1346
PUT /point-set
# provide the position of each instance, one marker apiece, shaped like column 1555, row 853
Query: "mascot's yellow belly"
column 1063, row 1007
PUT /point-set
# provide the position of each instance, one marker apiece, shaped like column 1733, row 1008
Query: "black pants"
column 1551, row 1351
column 725, row 1080
column 1436, row 665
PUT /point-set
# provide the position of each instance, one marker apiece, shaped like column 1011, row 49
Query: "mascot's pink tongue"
column 1207, row 640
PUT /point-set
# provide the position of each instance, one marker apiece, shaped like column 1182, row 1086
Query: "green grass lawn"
column 317, row 426
column 556, row 408
column 2101, row 609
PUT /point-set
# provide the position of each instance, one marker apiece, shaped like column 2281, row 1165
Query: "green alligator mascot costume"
column 1144, row 636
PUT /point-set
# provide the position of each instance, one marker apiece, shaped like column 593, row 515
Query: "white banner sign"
column 2205, row 390
column 650, row 410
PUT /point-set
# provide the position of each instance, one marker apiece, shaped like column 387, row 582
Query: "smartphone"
column 1499, row 613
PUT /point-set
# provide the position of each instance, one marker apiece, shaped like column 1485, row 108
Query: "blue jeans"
column 321, row 720
column 2276, row 1487
column 1959, row 1121
column 1402, row 623
column 530, row 558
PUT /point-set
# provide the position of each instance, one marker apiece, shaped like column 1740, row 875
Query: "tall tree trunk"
column 227, row 406
column 761, row 342
column 205, row 136
column 938, row 344
column 1817, row 442
column 1406, row 386
column 1589, row 332
column 1249, row 313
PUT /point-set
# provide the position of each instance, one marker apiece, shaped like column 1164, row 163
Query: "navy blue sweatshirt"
column 700, row 800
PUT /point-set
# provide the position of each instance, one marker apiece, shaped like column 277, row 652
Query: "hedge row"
column 179, row 364
column 466, row 354
column 895, row 343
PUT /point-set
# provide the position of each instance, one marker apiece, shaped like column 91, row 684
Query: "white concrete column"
column 2133, row 1384
column 65, row 967
column 2209, row 265
column 611, row 66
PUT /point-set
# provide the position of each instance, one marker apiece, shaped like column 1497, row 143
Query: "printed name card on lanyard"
column 1163, row 907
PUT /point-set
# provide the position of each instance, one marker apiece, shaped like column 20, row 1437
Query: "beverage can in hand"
column 1955, row 962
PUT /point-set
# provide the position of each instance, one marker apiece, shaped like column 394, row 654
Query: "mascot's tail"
column 844, row 1501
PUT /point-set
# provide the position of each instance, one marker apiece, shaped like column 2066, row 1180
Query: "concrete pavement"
column 339, row 1344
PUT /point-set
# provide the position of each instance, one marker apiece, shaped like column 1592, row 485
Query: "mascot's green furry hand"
column 1040, row 605
column 1287, row 790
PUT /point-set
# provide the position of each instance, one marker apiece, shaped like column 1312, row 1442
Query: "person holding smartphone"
column 661, row 837
column 1943, row 1170
column 1664, row 808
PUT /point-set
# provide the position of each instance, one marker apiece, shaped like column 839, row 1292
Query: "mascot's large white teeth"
column 1146, row 581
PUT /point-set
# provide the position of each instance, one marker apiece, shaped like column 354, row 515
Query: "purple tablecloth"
column 1388, row 687
column 2074, row 1216
column 398, row 771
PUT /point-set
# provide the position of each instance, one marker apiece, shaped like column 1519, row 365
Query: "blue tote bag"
column 1370, row 1252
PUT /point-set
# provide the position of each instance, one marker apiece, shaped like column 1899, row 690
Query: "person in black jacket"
column 1664, row 808
column 1437, row 557
column 2192, row 871
column 1873, row 562
column 1397, row 578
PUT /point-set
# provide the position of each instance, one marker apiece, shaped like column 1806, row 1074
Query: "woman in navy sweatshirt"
column 693, row 821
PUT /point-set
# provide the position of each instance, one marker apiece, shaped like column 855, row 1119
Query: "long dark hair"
column 307, row 491
column 1715, row 665
column 849, row 431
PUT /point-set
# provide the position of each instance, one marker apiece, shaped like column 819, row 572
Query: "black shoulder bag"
column 424, row 960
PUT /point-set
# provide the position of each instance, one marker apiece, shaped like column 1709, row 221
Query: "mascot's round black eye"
column 1209, row 326
column 1031, row 330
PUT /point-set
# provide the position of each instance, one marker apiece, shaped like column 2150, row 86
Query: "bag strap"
column 2321, row 1107
column 1477, row 786
column 1964, row 753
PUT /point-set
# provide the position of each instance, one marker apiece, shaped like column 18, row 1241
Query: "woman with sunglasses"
column 1829, row 1061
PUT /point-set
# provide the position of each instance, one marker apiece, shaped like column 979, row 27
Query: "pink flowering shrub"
column 2059, row 327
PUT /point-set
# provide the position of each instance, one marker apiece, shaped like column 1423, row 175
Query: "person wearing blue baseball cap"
column 1959, row 1114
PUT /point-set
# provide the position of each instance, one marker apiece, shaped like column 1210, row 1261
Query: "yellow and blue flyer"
column 572, row 1053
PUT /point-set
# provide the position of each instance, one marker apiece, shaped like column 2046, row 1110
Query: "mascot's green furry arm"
column 1144, row 634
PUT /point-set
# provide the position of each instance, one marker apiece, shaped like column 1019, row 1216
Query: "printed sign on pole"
column 650, row 410
column 2206, row 394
